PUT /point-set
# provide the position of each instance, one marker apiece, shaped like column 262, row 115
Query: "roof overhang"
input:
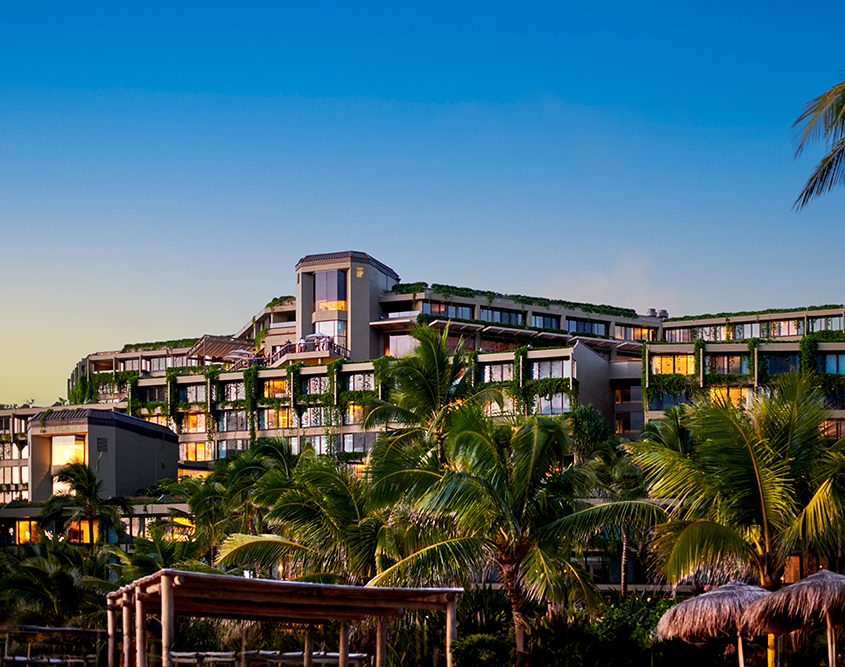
column 455, row 325
column 216, row 347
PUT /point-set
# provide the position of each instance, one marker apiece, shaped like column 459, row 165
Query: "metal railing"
column 310, row 345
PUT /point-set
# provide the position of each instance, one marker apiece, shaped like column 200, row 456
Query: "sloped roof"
column 93, row 416
column 348, row 254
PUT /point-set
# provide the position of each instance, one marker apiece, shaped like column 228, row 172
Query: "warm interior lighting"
column 323, row 306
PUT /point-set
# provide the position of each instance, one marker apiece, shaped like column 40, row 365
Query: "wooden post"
column 381, row 642
column 140, row 631
column 343, row 659
column 126, row 617
column 308, row 650
column 111, row 623
column 831, row 642
column 451, row 628
column 167, row 619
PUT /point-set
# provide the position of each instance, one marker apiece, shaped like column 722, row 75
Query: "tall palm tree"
column 619, row 480
column 82, row 502
column 426, row 388
column 739, row 496
column 823, row 117
column 508, row 497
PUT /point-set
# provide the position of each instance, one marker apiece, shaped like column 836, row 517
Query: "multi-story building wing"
column 304, row 364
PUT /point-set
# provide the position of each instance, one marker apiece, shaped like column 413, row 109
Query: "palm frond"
column 264, row 549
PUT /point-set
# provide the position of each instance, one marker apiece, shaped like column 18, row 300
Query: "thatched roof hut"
column 805, row 603
column 813, row 601
column 717, row 613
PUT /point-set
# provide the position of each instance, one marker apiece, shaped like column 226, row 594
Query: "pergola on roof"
column 175, row 592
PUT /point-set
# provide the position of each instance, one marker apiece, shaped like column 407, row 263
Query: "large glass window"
column 832, row 363
column 780, row 364
column 630, row 394
column 270, row 418
column 358, row 442
column 329, row 290
column 629, row 424
column 684, row 335
column 233, row 391
column 732, row 364
column 275, row 388
column 314, row 416
column 500, row 316
column 354, row 414
column 318, row 384
column 196, row 451
column 498, row 372
column 826, row 323
column 747, row 330
column 360, row 382
column 586, row 326
column 553, row 368
column 736, row 396
column 232, row 420
column 625, row 332
column 666, row 364
column 399, row 345
column 194, row 393
column 545, row 321
column 556, row 404
column 660, row 400
column 447, row 310
column 784, row 328
column 193, row 422
column 334, row 329
column 68, row 449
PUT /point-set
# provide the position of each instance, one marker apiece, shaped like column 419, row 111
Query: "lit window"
column 68, row 449
column 193, row 422
column 667, row 364
column 275, row 388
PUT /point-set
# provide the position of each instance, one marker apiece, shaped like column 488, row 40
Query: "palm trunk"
column 519, row 604
column 624, row 565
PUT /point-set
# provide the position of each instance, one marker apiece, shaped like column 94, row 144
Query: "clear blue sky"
column 164, row 165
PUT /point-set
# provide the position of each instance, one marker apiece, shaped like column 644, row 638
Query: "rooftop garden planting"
column 770, row 311
column 449, row 291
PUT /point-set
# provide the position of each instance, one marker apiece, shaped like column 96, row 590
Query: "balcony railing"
column 309, row 345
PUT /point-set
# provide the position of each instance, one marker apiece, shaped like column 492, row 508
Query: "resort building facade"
column 303, row 365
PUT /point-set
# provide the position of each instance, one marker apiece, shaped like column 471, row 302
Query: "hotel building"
column 301, row 366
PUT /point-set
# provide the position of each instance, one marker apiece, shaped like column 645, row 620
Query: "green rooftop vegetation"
column 158, row 345
column 281, row 301
column 451, row 291
column 769, row 311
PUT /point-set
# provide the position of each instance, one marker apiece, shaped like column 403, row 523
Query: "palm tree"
column 55, row 583
column 323, row 521
column 426, row 388
column 82, row 503
column 223, row 503
column 619, row 480
column 155, row 552
column 823, row 117
column 740, row 495
column 507, row 496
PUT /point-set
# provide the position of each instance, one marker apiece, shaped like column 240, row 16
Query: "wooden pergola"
column 174, row 592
